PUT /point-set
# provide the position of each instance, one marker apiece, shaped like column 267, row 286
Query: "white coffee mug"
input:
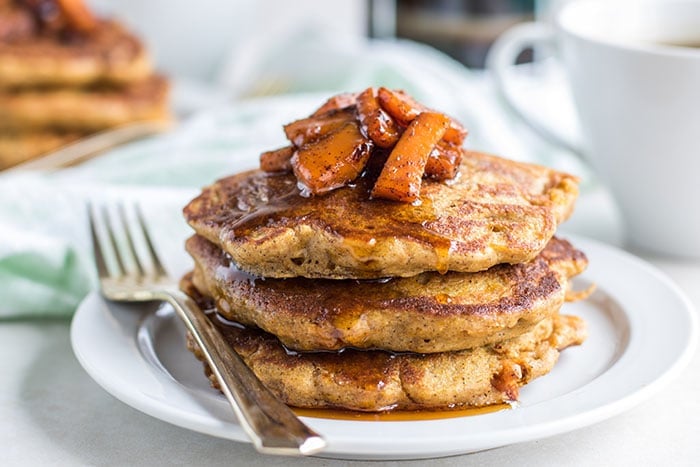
column 634, row 72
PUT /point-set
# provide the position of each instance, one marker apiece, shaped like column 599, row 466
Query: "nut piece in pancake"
column 84, row 109
column 426, row 313
column 109, row 54
column 375, row 380
column 496, row 211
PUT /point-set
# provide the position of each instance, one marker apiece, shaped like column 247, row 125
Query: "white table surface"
column 52, row 413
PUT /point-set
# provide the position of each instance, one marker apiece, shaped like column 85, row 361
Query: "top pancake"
column 109, row 55
column 496, row 211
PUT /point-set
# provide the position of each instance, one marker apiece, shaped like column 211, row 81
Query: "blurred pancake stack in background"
column 65, row 74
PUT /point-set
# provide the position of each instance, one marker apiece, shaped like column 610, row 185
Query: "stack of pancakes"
column 59, row 83
column 341, row 301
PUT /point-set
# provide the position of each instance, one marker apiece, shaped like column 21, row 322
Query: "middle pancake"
column 427, row 313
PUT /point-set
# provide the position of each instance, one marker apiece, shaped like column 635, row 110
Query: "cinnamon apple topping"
column 61, row 15
column 350, row 132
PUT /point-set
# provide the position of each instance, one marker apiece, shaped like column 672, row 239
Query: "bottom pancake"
column 376, row 380
column 19, row 147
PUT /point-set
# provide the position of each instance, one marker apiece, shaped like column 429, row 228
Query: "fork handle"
column 271, row 424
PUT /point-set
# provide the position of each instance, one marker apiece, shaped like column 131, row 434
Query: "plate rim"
column 406, row 447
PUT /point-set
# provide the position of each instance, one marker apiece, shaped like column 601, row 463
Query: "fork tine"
column 100, row 262
column 157, row 265
column 113, row 241
column 131, row 249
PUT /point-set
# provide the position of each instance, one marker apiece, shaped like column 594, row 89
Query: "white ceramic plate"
column 141, row 359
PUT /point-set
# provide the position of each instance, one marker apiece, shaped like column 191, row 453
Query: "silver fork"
column 271, row 425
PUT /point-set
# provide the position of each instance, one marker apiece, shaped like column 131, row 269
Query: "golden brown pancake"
column 375, row 380
column 84, row 109
column 111, row 54
column 427, row 313
column 496, row 211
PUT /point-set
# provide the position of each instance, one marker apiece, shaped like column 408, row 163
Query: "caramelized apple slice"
column 278, row 160
column 401, row 177
column 444, row 160
column 376, row 123
column 455, row 133
column 77, row 15
column 404, row 109
column 306, row 130
column 399, row 105
column 332, row 161
column 337, row 102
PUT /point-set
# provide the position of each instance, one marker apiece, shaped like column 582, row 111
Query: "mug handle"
column 502, row 57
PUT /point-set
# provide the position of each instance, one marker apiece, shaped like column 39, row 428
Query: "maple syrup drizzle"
column 401, row 415
column 227, row 326
column 284, row 204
